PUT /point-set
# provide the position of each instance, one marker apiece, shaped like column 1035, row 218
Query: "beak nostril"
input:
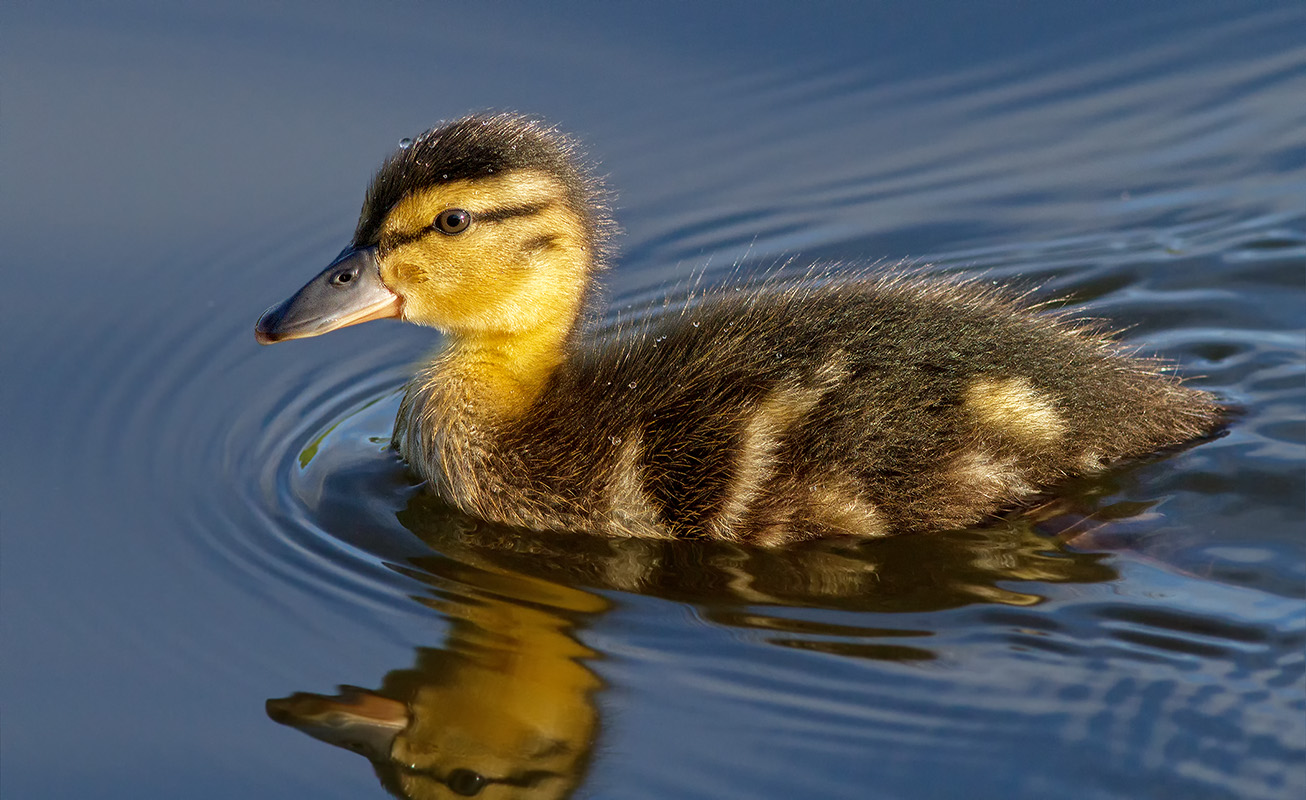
column 316, row 308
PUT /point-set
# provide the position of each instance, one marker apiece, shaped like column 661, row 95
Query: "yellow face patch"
column 507, row 287
column 1015, row 408
column 521, row 261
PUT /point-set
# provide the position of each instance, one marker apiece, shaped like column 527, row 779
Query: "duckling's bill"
column 355, row 719
column 347, row 292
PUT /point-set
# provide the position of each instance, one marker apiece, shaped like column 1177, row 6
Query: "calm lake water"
column 193, row 525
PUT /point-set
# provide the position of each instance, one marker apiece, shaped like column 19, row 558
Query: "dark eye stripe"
column 509, row 212
column 396, row 240
column 541, row 242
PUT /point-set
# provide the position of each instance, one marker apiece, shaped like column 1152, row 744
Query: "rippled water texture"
column 193, row 525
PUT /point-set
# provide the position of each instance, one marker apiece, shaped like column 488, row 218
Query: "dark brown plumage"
column 766, row 412
column 880, row 369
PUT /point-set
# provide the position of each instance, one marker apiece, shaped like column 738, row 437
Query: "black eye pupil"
column 453, row 221
column 465, row 782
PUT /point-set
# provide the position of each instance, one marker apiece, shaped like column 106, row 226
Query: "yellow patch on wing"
column 1092, row 462
column 763, row 433
column 985, row 476
column 629, row 509
column 1014, row 407
column 839, row 505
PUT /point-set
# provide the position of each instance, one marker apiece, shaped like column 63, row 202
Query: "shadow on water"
column 509, row 700
column 900, row 574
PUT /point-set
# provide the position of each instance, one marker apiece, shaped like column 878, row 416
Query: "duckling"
column 768, row 412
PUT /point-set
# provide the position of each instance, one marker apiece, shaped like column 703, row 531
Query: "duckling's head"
column 485, row 228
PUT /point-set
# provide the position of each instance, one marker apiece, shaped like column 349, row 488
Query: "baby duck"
column 767, row 413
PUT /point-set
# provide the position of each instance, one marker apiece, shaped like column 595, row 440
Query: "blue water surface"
column 193, row 525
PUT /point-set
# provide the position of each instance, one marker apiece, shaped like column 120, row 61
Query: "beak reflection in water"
column 507, row 705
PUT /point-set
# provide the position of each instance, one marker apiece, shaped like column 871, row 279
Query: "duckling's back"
column 855, row 405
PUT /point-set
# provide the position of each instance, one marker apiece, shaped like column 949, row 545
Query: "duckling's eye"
column 465, row 782
column 453, row 220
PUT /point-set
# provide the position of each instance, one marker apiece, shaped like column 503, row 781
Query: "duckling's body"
column 855, row 406
column 767, row 413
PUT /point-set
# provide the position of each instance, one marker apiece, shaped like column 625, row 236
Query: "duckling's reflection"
column 506, row 709
column 905, row 573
